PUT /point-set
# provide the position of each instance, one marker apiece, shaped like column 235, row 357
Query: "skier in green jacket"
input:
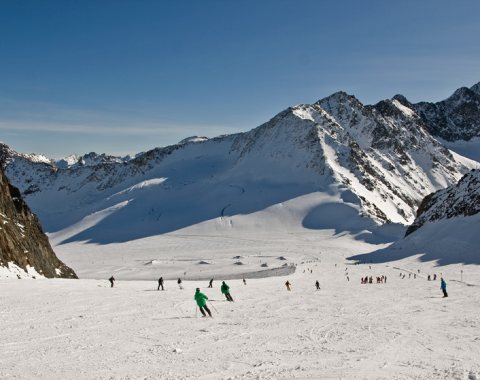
column 201, row 300
column 226, row 290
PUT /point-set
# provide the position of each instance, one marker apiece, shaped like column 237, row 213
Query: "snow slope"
column 83, row 329
column 446, row 229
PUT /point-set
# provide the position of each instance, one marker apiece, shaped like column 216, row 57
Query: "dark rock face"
column 461, row 199
column 22, row 241
column 455, row 118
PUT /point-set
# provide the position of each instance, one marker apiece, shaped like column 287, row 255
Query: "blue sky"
column 126, row 76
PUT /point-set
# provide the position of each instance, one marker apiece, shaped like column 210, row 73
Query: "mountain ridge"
column 383, row 155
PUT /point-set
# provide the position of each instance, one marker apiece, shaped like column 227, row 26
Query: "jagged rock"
column 461, row 199
column 22, row 241
column 455, row 118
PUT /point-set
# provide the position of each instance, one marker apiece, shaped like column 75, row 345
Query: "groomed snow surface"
column 83, row 329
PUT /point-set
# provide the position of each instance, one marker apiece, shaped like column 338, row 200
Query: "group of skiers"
column 369, row 280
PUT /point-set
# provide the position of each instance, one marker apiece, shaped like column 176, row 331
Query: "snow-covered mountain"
column 454, row 121
column 24, row 248
column 335, row 157
column 445, row 231
column 460, row 199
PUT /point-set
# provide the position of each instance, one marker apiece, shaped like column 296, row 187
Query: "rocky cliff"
column 460, row 199
column 24, row 249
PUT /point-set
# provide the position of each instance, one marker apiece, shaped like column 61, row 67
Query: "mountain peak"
column 461, row 93
column 476, row 88
column 339, row 96
column 402, row 100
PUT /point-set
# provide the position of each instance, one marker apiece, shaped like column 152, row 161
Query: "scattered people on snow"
column 112, row 280
column 443, row 286
column 210, row 284
column 317, row 285
column 201, row 300
column 287, row 284
column 226, row 291
column 369, row 280
column 179, row 282
column 160, row 283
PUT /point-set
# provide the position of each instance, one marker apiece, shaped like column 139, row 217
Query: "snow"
column 84, row 329
column 11, row 270
column 443, row 242
column 469, row 149
column 407, row 111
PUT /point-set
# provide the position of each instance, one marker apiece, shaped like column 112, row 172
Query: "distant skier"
column 287, row 284
column 179, row 282
column 201, row 300
column 317, row 285
column 226, row 291
column 443, row 286
column 112, row 280
column 244, row 282
column 435, row 277
column 160, row 283
column 210, row 284
column 429, row 278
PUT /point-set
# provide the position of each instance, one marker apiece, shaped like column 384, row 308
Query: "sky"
column 121, row 77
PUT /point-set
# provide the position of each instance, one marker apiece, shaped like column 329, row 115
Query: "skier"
column 112, row 280
column 287, row 284
column 160, row 283
column 201, row 300
column 179, row 282
column 428, row 277
column 435, row 277
column 317, row 285
column 443, row 286
column 210, row 284
column 244, row 282
column 226, row 291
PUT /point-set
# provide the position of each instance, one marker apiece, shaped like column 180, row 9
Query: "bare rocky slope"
column 455, row 118
column 24, row 248
column 460, row 199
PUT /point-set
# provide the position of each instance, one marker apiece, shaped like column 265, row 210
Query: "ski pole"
column 214, row 308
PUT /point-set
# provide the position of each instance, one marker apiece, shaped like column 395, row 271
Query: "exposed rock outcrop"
column 23, row 245
column 461, row 199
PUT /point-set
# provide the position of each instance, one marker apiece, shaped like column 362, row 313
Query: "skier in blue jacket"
column 443, row 286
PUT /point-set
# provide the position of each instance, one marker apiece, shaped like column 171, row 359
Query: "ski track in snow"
column 83, row 329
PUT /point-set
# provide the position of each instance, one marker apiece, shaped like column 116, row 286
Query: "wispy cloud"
column 53, row 118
